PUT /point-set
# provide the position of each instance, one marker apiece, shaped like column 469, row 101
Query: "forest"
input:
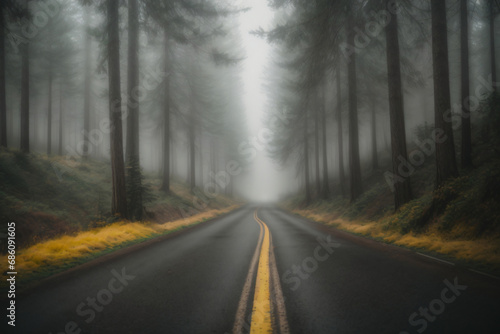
column 356, row 94
column 292, row 166
column 126, row 120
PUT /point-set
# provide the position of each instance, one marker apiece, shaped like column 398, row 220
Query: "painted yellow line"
column 261, row 312
column 239, row 323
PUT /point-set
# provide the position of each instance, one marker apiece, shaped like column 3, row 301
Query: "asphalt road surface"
column 263, row 271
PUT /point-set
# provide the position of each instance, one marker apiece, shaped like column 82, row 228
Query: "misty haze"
column 250, row 166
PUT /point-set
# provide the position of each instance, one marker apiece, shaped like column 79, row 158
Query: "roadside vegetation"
column 63, row 216
column 460, row 220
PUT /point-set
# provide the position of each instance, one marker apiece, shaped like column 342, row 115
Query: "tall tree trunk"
column 132, row 145
column 200, row 158
column 192, row 149
column 132, row 140
column 316, row 143
column 35, row 119
column 60, row 138
column 213, row 162
column 402, row 185
column 445, row 148
column 374, row 137
column 119, row 200
column 492, row 42
column 49, row 114
column 464, row 62
column 87, row 85
column 326, row 186
column 3, row 98
column 354, row 161
column 340, row 136
column 25, row 97
column 166, row 120
column 192, row 123
column 306, row 159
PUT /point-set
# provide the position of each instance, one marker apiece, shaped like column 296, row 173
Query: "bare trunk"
column 132, row 144
column 192, row 149
column 374, row 137
column 402, row 185
column 316, row 144
column 119, row 200
column 306, row 160
column 87, row 84
column 60, row 138
column 464, row 62
column 354, row 162
column 166, row 122
column 132, row 147
column 326, row 187
column 492, row 42
column 49, row 114
column 213, row 156
column 3, row 100
column 340, row 136
column 445, row 148
column 25, row 98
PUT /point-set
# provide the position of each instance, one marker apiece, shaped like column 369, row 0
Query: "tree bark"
column 354, row 161
column 192, row 148
column 199, row 162
column 60, row 138
column 3, row 98
column 132, row 144
column 402, row 185
column 25, row 97
column 326, row 186
column 445, row 148
column 213, row 159
column 87, row 84
column 49, row 114
column 306, row 160
column 374, row 137
column 340, row 136
column 466, row 155
column 192, row 124
column 316, row 144
column 166, row 121
column 119, row 199
column 492, row 42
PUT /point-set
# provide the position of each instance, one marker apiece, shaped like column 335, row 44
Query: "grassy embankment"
column 463, row 225
column 62, row 213
column 459, row 221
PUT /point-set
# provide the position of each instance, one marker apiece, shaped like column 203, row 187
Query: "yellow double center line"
column 261, row 313
column 268, row 310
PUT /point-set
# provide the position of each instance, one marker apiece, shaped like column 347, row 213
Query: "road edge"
column 113, row 255
column 416, row 251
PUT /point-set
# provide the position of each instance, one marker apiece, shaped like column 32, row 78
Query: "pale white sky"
column 257, row 51
column 265, row 181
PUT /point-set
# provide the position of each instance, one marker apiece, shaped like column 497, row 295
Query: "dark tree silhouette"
column 464, row 82
column 119, row 200
column 402, row 186
column 445, row 149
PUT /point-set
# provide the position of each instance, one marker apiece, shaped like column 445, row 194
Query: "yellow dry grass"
column 65, row 249
column 485, row 250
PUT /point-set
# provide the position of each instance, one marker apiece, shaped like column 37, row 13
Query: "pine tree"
column 119, row 200
column 445, row 147
column 402, row 185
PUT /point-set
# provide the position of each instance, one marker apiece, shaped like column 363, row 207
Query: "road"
column 261, row 271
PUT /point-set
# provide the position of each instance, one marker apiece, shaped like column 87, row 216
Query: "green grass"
column 50, row 197
column 459, row 221
column 58, row 255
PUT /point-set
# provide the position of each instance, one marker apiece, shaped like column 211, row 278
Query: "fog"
column 230, row 85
